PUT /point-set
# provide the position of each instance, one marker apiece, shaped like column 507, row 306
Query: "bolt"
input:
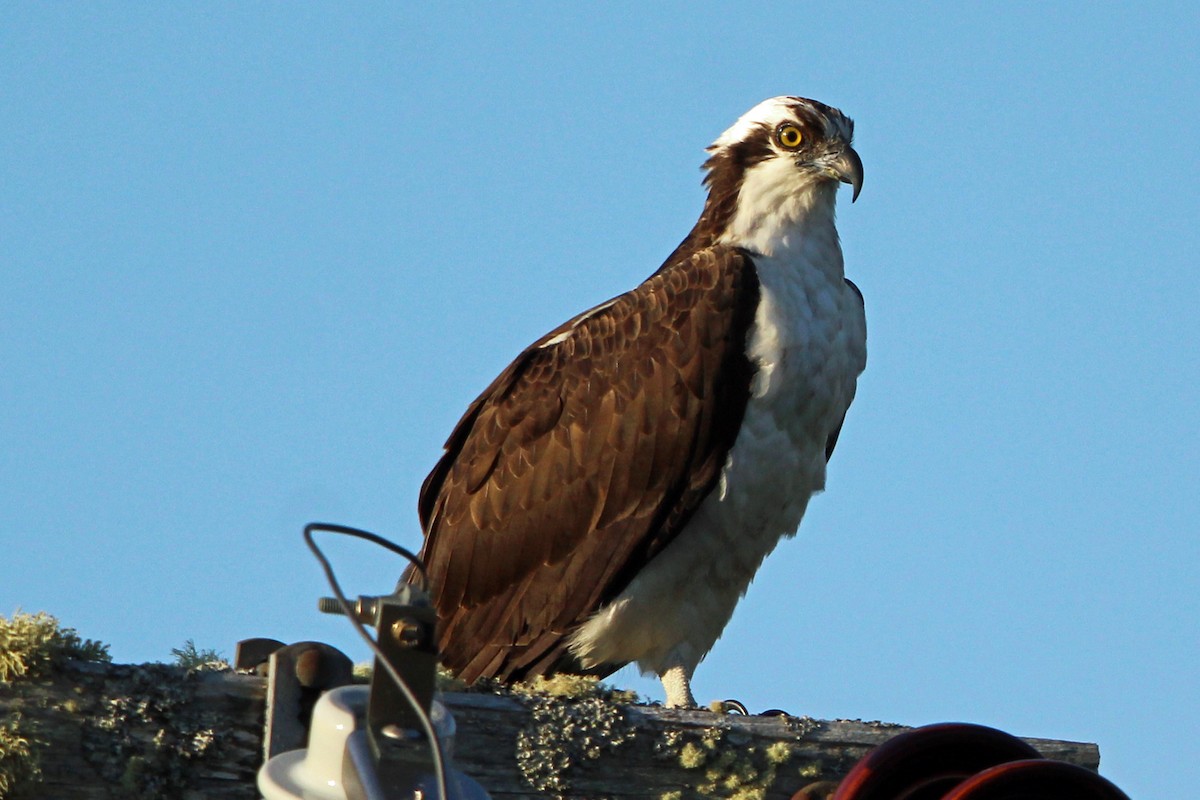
column 394, row 731
column 406, row 632
column 363, row 608
column 309, row 668
column 329, row 605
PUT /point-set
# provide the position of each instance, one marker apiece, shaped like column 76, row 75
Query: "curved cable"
column 435, row 745
column 374, row 538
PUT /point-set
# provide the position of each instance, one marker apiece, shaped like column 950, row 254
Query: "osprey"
column 609, row 497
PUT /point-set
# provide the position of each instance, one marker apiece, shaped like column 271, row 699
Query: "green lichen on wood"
column 727, row 764
column 576, row 687
column 32, row 645
column 559, row 685
column 149, row 732
column 142, row 728
column 18, row 758
column 571, row 723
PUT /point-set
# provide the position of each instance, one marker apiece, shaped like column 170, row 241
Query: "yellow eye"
column 789, row 136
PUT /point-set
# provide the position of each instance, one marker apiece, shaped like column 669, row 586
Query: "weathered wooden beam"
column 537, row 747
column 107, row 731
column 102, row 730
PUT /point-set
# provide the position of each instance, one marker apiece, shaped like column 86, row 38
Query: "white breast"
column 809, row 345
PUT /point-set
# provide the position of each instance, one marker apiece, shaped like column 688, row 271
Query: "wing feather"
column 582, row 460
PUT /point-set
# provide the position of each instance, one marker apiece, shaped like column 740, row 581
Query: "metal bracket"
column 297, row 674
column 405, row 625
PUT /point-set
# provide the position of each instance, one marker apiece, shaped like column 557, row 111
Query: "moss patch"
column 148, row 732
column 571, row 723
column 32, row 645
column 18, row 758
column 725, row 766
column 576, row 687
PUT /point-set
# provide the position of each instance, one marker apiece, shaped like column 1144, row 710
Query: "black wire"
column 374, row 538
column 435, row 745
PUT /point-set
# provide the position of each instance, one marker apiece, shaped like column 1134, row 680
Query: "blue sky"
column 257, row 259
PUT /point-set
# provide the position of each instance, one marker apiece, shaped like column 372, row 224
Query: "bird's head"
column 775, row 168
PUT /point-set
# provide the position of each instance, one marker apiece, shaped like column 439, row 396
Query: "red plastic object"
column 926, row 763
column 1036, row 780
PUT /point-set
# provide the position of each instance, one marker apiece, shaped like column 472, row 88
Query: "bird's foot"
column 677, row 683
column 728, row 707
column 737, row 707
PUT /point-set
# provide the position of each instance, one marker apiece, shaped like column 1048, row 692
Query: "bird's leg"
column 676, row 680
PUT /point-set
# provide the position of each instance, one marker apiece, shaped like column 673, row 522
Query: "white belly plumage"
column 808, row 343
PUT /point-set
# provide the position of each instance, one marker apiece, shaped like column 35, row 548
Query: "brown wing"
column 582, row 461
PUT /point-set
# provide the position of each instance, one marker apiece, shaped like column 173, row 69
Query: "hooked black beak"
column 849, row 169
